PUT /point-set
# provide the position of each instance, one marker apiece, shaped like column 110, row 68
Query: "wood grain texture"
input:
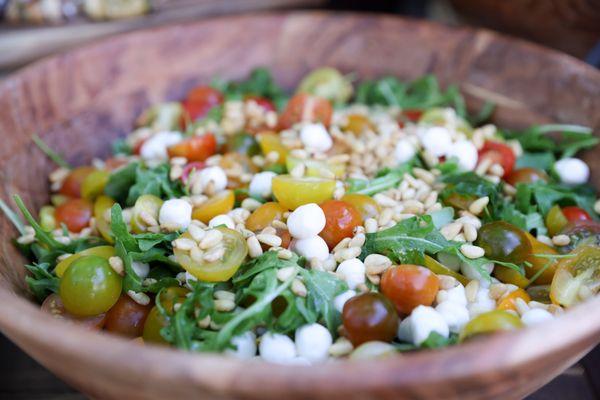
column 78, row 102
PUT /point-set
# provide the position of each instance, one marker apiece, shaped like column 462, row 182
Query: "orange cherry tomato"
column 127, row 317
column 358, row 123
column 200, row 100
column 264, row 215
column 72, row 184
column 340, row 220
column 304, row 107
column 499, row 153
column 197, row 148
column 508, row 302
column 54, row 306
column 573, row 214
column 526, row 175
column 365, row 205
column 74, row 213
column 220, row 203
column 409, row 286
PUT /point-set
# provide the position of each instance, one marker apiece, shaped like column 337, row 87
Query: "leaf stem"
column 54, row 156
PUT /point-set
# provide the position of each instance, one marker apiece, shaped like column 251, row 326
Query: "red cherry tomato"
column 115, row 162
column 369, row 316
column 304, row 107
column 573, row 214
column 127, row 317
column 200, row 100
column 197, row 148
column 499, row 153
column 265, row 103
column 526, row 175
column 409, row 286
column 137, row 147
column 340, row 220
column 72, row 184
column 54, row 306
column 74, row 213
column 193, row 166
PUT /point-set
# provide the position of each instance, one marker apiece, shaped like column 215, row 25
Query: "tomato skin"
column 508, row 302
column 155, row 321
column 264, row 215
column 409, row 286
column 504, row 242
column 71, row 186
column 555, row 220
column 200, row 100
column 573, row 214
column 292, row 192
column 499, row 153
column 127, row 317
column 55, row 307
column 526, row 175
column 265, row 103
column 340, row 220
column 490, row 322
column 220, row 203
column 303, row 107
column 365, row 205
column 115, row 162
column 197, row 148
column 74, row 213
column 369, row 316
column 580, row 271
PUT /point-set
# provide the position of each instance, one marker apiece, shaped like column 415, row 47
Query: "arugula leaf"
column 322, row 289
column 257, row 265
column 565, row 140
column 442, row 217
column 147, row 241
column 154, row 181
column 259, row 83
column 469, row 184
column 42, row 282
column 542, row 196
column 386, row 181
column 120, row 181
column 121, row 147
column 541, row 161
column 433, row 341
column 119, row 229
column 528, row 222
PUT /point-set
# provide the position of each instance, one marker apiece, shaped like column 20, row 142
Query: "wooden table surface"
column 21, row 377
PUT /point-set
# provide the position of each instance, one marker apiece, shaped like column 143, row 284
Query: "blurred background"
column 31, row 29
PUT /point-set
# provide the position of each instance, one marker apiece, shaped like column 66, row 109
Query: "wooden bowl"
column 80, row 101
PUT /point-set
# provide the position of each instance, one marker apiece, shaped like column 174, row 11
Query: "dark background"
column 574, row 29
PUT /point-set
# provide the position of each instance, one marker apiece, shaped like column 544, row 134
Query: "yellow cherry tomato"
column 220, row 203
column 47, row 219
column 440, row 269
column 271, row 142
column 146, row 204
column 543, row 267
column 445, row 117
column 101, row 251
column 317, row 168
column 365, row 205
column 358, row 124
column 93, row 184
column 264, row 215
column 293, row 192
column 102, row 204
column 509, row 275
column 577, row 277
column 555, row 220
column 508, row 302
column 220, row 270
column 490, row 322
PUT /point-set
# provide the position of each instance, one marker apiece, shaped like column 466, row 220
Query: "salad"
column 345, row 220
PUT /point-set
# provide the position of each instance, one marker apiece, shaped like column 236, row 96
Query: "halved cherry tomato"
column 147, row 205
column 155, row 321
column 75, row 214
column 304, row 107
column 555, row 220
column 271, row 142
column 220, row 203
column 220, row 270
column 100, row 251
column 340, row 220
column 490, row 322
column 197, row 148
column 200, row 100
column 459, row 201
column 576, row 277
column 409, row 116
column 526, row 175
column 508, row 302
column 127, row 317
column 573, row 214
column 317, row 168
column 264, row 215
column 187, row 170
column 499, row 153
column 293, row 192
column 55, row 307
column 365, row 205
column 369, row 316
column 409, row 286
column 71, row 186
column 102, row 204
column 581, row 233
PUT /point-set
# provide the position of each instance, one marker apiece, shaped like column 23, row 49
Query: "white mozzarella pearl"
column 456, row 295
column 405, row 330
column 572, row 171
column 315, row 137
column 215, row 175
column 155, row 148
column 455, row 315
column 261, row 184
column 404, row 151
column 277, row 348
column 466, row 154
column 352, row 271
column 175, row 213
column 535, row 316
column 312, row 247
column 245, row 346
column 342, row 298
column 483, row 303
column 424, row 321
column 313, row 342
column 436, row 140
column 306, row 221
column 473, row 273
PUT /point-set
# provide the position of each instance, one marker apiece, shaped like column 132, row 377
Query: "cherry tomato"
column 105, row 252
column 576, row 277
column 197, row 148
column 101, row 205
column 265, row 103
column 365, row 205
column 499, row 153
column 71, row 186
column 55, row 307
column 114, row 163
column 459, row 201
column 292, row 192
column 340, row 220
column 304, row 107
column 490, row 322
column 509, row 275
column 368, row 317
column 409, row 286
column 503, row 242
column 327, row 83
column 242, row 143
column 220, row 203
column 147, row 205
column 581, row 233
column 526, row 175
column 200, row 101
column 271, row 142
column 93, row 184
column 264, row 215
column 89, row 286
column 358, row 123
column 412, row 115
column 220, row 270
column 508, row 302
column 127, row 317
column 555, row 220
column 75, row 214
column 189, row 168
column 317, row 168
column 573, row 214
column 537, row 262
column 155, row 321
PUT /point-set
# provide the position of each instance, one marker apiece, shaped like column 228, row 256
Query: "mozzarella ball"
column 535, row 316
column 155, row 148
column 342, row 298
column 404, row 151
column 466, row 154
column 405, row 330
column 456, row 295
column 214, row 175
column 261, row 184
column 306, row 221
column 277, row 348
column 473, row 273
column 313, row 342
column 222, row 219
column 312, row 247
column 315, row 137
column 175, row 214
column 141, row 269
column 245, row 346
column 483, row 303
column 352, row 271
column 436, row 140
column 572, row 171
column 424, row 321
column 455, row 315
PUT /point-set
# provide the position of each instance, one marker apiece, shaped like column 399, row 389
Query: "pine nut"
column 471, row 291
column 358, row 240
column 597, row 206
column 479, row 205
column 450, row 231
column 251, row 204
column 521, row 306
column 497, row 290
column 283, row 274
column 224, row 305
column 298, row 288
column 284, row 254
column 269, row 240
column 424, row 175
column 196, row 232
column 341, row 347
column 184, row 244
column 470, row 232
column 496, row 170
column 371, row 225
column 224, row 295
column 545, row 239
column 214, row 254
column 377, row 263
column 342, row 244
column 139, row 297
column 561, row 240
column 254, row 248
column 116, row 263
column 279, row 224
column 298, row 171
column 211, row 238
column 471, row 251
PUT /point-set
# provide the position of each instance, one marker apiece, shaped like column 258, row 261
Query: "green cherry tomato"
column 490, row 322
column 154, row 323
column 328, row 83
column 93, row 184
column 555, row 220
column 504, row 242
column 89, row 286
